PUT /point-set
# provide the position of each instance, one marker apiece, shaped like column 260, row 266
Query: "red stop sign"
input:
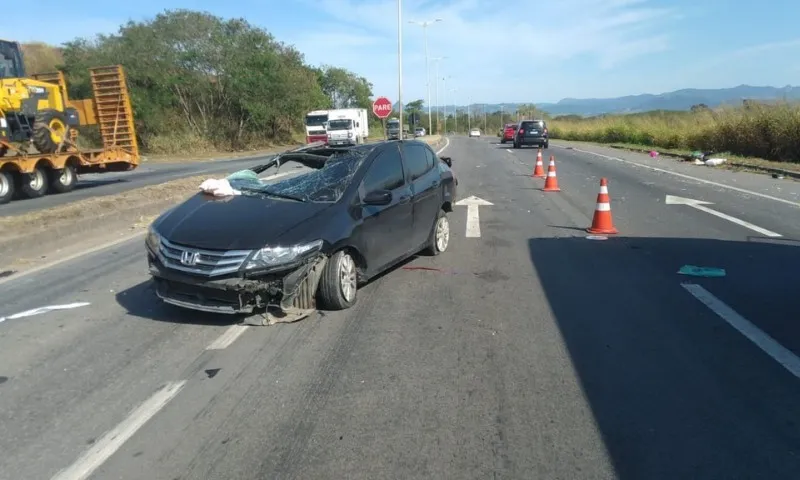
column 382, row 107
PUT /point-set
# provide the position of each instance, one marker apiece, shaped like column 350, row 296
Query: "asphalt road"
column 532, row 352
column 94, row 185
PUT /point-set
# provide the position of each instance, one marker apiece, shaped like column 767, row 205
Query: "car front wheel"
column 338, row 287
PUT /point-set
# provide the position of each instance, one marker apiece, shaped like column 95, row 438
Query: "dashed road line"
column 226, row 339
column 115, row 438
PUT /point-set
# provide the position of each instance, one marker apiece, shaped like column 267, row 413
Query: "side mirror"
column 448, row 161
column 378, row 197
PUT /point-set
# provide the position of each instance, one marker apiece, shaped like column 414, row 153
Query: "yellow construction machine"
column 38, row 127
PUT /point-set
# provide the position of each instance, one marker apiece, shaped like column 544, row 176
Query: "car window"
column 385, row 173
column 430, row 157
column 416, row 160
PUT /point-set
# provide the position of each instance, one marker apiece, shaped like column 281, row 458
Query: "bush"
column 768, row 131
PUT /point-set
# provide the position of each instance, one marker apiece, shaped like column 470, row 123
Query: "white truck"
column 315, row 126
column 348, row 126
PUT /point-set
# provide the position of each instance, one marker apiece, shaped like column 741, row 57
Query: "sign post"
column 382, row 108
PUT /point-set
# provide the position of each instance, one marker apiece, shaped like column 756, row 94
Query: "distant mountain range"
column 677, row 100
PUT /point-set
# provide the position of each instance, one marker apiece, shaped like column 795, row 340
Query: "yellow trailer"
column 34, row 173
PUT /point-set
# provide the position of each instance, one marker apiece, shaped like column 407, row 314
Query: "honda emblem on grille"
column 189, row 258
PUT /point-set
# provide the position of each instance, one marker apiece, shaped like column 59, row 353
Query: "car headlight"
column 153, row 239
column 273, row 256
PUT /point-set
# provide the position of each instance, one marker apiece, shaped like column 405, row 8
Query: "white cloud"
column 487, row 44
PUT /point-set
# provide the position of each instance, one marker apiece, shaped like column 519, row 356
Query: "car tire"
column 502, row 141
column 338, row 287
column 439, row 238
column 547, row 144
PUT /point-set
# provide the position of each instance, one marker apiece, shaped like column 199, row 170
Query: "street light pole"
column 438, row 105
column 424, row 26
column 400, row 62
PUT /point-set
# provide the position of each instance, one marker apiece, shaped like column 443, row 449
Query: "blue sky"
column 500, row 51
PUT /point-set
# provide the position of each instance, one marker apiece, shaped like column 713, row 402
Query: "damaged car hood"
column 239, row 222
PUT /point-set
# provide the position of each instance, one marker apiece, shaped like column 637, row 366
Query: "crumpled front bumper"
column 282, row 296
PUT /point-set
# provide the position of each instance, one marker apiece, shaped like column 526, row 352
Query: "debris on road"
column 708, row 272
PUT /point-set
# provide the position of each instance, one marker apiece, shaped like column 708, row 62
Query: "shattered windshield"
column 325, row 185
column 340, row 125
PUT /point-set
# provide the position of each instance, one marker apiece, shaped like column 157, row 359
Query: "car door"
column 386, row 229
column 419, row 162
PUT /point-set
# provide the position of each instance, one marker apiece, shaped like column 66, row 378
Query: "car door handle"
column 404, row 199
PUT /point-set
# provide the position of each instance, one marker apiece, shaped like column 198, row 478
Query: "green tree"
column 345, row 89
column 193, row 75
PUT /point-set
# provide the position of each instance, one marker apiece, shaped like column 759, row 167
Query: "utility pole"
column 424, row 26
column 400, row 62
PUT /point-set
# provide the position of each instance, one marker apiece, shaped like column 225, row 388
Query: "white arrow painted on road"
column 701, row 205
column 473, row 203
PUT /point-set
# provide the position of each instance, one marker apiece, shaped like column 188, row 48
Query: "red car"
column 508, row 133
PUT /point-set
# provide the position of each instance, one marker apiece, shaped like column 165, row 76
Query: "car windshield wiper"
column 270, row 193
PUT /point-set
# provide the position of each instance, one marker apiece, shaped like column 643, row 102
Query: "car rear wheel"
column 439, row 239
column 338, row 287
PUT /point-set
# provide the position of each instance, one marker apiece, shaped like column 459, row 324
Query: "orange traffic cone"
column 551, row 184
column 602, row 222
column 538, row 170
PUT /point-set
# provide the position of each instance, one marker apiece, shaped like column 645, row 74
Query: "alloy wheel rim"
column 442, row 234
column 347, row 277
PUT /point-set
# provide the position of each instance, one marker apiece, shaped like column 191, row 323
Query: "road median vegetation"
column 766, row 134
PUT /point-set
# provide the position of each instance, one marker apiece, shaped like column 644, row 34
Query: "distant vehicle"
column 393, row 129
column 507, row 133
column 474, row 133
column 312, row 236
column 347, row 126
column 531, row 132
column 419, row 132
column 315, row 126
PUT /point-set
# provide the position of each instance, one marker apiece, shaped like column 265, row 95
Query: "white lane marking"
column 509, row 150
column 115, row 438
column 226, row 339
column 689, row 177
column 447, row 144
column 778, row 352
column 41, row 310
column 473, row 203
column 701, row 205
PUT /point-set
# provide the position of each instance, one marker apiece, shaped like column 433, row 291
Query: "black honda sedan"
column 277, row 247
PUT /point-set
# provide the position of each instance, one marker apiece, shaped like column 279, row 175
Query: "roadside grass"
column 756, row 135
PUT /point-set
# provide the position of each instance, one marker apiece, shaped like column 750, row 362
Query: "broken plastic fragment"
column 713, row 162
column 218, row 187
column 711, row 272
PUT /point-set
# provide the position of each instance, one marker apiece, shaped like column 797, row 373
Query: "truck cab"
column 315, row 126
column 393, row 129
column 347, row 126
